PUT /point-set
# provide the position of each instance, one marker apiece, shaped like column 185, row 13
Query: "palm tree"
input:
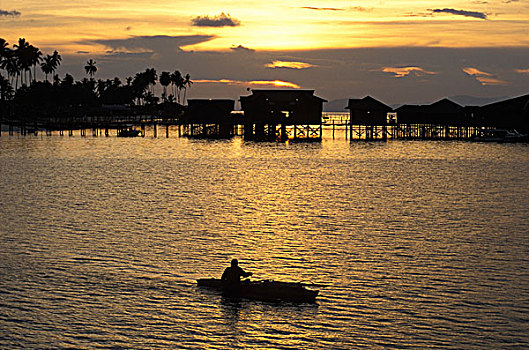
column 90, row 68
column 5, row 51
column 12, row 66
column 165, row 80
column 177, row 81
column 35, row 56
column 24, row 53
column 151, row 76
column 47, row 66
column 186, row 83
column 56, row 60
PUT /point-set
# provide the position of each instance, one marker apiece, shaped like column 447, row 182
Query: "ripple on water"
column 417, row 244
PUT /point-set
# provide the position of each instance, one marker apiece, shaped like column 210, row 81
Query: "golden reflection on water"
column 417, row 242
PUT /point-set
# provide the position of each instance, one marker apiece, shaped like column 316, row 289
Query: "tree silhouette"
column 24, row 54
column 165, row 80
column 186, row 83
column 47, row 66
column 177, row 82
column 90, row 68
column 55, row 60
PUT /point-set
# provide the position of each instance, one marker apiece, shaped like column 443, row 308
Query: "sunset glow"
column 270, row 83
column 339, row 48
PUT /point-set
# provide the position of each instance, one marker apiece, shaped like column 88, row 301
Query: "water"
column 420, row 244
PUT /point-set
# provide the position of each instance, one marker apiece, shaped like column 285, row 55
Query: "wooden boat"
column 264, row 290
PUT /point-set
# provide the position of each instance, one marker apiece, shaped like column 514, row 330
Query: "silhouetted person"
column 231, row 277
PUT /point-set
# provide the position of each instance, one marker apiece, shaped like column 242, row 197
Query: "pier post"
column 167, row 130
column 155, row 127
column 284, row 136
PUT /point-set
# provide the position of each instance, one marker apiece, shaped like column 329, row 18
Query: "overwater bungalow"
column 209, row 118
column 442, row 112
column 264, row 110
column 509, row 114
column 368, row 111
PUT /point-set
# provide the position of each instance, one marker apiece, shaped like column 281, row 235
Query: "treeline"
column 19, row 86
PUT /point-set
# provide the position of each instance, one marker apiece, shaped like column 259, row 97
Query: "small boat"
column 130, row 132
column 501, row 135
column 264, row 290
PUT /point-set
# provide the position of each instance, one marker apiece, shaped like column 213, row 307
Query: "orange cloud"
column 274, row 83
column 289, row 64
column 475, row 71
column 404, row 71
column 483, row 77
column 522, row 71
column 491, row 81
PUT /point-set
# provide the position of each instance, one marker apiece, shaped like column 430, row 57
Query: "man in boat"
column 231, row 277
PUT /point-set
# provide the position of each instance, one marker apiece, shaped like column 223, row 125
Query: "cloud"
column 361, row 9
column 273, row 83
column 475, row 71
column 156, row 43
column 322, row 8
column 289, row 64
column 82, row 52
column 241, row 48
column 464, row 13
column 405, row 71
column 221, row 20
column 484, row 78
column 14, row 13
column 522, row 71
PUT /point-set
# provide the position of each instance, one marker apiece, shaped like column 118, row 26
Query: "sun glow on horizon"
column 273, row 83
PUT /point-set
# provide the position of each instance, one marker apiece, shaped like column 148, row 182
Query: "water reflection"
column 102, row 240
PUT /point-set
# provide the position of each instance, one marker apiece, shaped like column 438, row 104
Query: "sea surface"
column 416, row 244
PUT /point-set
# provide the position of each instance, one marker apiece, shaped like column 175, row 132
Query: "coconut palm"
column 24, row 53
column 12, row 67
column 165, row 80
column 47, row 66
column 90, row 68
column 186, row 83
column 151, row 76
column 56, row 60
column 35, row 57
column 177, row 82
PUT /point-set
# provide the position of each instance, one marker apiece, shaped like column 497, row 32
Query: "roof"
column 283, row 94
column 442, row 106
column 367, row 103
column 520, row 103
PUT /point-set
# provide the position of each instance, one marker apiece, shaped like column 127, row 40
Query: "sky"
column 396, row 51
